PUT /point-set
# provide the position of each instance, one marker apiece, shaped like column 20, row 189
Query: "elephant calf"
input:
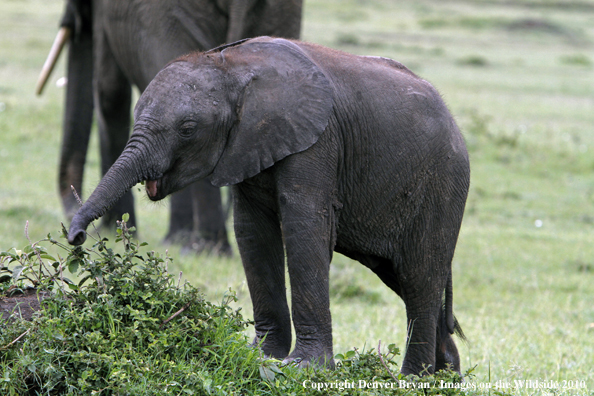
column 326, row 151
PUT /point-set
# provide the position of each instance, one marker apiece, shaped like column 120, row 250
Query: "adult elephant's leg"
column 113, row 97
column 181, row 219
column 197, row 219
column 259, row 238
column 78, row 117
column 209, row 219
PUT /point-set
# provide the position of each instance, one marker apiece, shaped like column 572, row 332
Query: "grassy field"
column 519, row 78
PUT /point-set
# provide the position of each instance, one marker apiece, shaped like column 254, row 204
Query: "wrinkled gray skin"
column 326, row 152
column 131, row 41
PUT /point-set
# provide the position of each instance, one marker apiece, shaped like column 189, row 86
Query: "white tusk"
column 52, row 58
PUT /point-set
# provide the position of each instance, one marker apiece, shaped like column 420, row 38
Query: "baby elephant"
column 326, row 151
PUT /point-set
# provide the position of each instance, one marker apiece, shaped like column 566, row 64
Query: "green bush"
column 127, row 327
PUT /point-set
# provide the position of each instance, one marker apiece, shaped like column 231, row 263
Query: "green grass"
column 518, row 77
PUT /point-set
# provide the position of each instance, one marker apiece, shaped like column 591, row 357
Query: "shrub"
column 127, row 327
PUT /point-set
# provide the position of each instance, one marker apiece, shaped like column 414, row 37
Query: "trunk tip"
column 77, row 237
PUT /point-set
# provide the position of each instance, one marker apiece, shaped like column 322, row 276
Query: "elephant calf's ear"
column 287, row 103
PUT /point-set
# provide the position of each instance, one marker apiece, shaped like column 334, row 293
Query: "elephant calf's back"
column 404, row 153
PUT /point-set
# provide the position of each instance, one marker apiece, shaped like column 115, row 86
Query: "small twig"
column 175, row 314
column 379, row 352
column 31, row 243
column 16, row 340
column 179, row 280
column 167, row 261
column 80, row 202
column 41, row 263
column 61, row 278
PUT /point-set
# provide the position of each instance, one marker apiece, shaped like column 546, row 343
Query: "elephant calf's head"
column 226, row 114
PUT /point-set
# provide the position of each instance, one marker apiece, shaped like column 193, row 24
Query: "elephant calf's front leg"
column 260, row 244
column 307, row 242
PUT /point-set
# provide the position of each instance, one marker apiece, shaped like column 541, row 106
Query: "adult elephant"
column 116, row 44
column 326, row 152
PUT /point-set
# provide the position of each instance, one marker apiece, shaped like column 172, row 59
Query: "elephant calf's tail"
column 449, row 322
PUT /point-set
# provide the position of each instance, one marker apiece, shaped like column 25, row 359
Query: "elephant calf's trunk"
column 77, row 234
column 117, row 181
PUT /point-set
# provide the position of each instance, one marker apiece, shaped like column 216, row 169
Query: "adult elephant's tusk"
column 61, row 39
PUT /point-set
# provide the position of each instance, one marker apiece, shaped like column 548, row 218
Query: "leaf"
column 125, row 217
column 48, row 257
column 16, row 272
column 267, row 374
column 394, row 349
column 277, row 370
column 5, row 278
column 72, row 287
column 73, row 266
column 351, row 354
column 83, row 280
column 206, row 384
column 63, row 232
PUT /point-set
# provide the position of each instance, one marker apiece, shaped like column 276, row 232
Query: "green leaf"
column 83, row 280
column 125, row 217
column 73, row 266
column 351, row 354
column 72, row 287
column 277, row 370
column 266, row 374
column 16, row 272
column 206, row 384
column 63, row 232
column 394, row 349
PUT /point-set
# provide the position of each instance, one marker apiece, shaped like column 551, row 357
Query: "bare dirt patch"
column 21, row 305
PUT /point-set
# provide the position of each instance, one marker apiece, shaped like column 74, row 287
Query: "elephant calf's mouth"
column 151, row 188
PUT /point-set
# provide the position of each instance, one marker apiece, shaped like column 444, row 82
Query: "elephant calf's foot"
column 325, row 360
column 416, row 369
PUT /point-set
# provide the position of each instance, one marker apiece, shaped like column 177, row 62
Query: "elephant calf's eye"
column 187, row 129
